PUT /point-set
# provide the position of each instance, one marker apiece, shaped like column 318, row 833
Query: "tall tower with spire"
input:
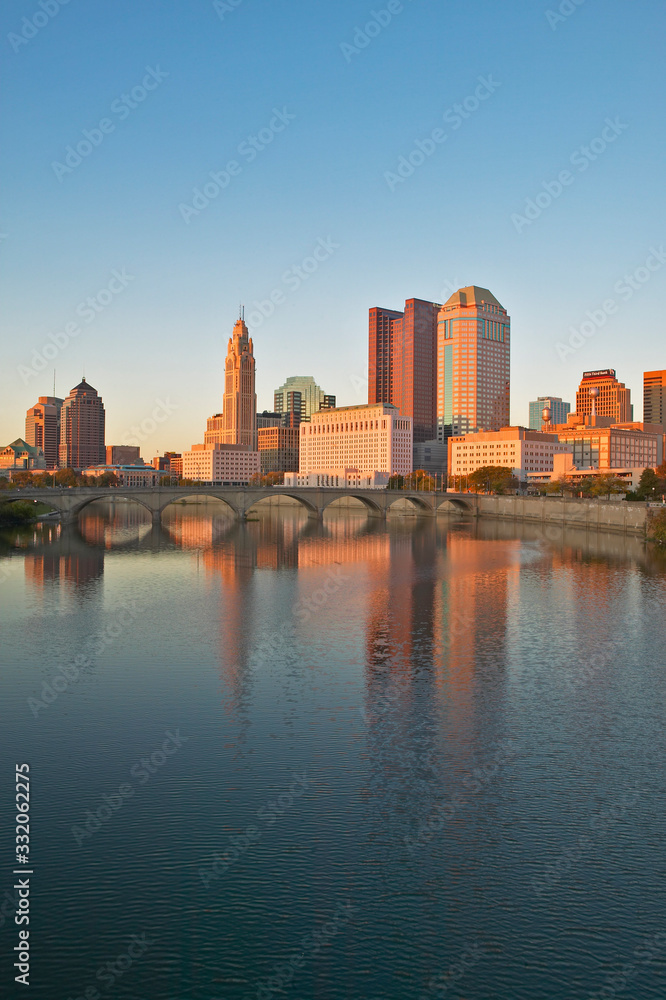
column 240, row 400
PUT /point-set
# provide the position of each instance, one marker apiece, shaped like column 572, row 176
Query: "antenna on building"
column 243, row 314
column 54, row 382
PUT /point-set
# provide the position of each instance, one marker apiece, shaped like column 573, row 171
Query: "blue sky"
column 350, row 106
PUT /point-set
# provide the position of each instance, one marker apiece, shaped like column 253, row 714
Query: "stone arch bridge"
column 69, row 502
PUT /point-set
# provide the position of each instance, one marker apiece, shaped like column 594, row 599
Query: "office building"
column 401, row 362
column 370, row 438
column 268, row 418
column 559, row 411
column 238, row 421
column 220, row 465
column 517, row 448
column 42, row 428
column 82, row 428
column 278, row 448
column 610, row 399
column 123, row 454
column 654, row 398
column 313, row 397
column 473, row 364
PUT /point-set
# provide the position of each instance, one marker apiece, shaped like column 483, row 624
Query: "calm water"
column 349, row 760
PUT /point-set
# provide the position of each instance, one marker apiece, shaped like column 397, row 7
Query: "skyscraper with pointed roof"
column 82, row 428
column 239, row 416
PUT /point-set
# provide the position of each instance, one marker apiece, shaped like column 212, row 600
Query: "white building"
column 365, row 440
column 516, row 448
column 221, row 465
column 339, row 478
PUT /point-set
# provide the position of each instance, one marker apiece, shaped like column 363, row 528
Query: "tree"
column 65, row 477
column 606, row 484
column 107, row 479
column 493, row 479
column 396, row 482
column 648, row 485
column 658, row 527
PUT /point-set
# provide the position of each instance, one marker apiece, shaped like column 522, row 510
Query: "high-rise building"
column 82, row 428
column 239, row 417
column 401, row 362
column 612, row 398
column 654, row 398
column 123, row 454
column 559, row 411
column 313, row 396
column 473, row 363
column 278, row 448
column 42, row 428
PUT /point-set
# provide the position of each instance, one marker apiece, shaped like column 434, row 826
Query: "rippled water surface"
column 340, row 760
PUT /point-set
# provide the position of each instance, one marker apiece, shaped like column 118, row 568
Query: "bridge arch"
column 455, row 501
column 75, row 510
column 371, row 506
column 309, row 506
column 210, row 494
column 419, row 502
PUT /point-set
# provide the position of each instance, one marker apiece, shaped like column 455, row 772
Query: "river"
column 349, row 759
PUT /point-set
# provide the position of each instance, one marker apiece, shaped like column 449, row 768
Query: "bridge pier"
column 156, row 517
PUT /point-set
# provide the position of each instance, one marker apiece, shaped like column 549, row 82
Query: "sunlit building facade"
column 42, row 428
column 517, row 448
column 654, row 398
column 401, row 362
column 238, row 421
column 371, row 438
column 82, row 423
column 613, row 399
column 473, row 363
column 221, row 465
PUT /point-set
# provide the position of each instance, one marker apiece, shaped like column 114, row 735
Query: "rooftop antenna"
column 54, row 382
column 243, row 314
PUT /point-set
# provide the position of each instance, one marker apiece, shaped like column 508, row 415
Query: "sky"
column 163, row 163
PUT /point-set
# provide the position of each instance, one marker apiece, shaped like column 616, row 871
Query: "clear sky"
column 337, row 109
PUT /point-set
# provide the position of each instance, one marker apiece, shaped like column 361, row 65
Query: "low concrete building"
column 127, row 475
column 517, row 448
column 221, row 464
column 339, row 479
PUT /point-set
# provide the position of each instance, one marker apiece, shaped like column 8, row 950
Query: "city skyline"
column 119, row 275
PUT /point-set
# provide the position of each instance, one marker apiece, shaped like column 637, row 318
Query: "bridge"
column 70, row 501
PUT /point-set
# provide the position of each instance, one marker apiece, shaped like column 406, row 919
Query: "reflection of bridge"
column 69, row 502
